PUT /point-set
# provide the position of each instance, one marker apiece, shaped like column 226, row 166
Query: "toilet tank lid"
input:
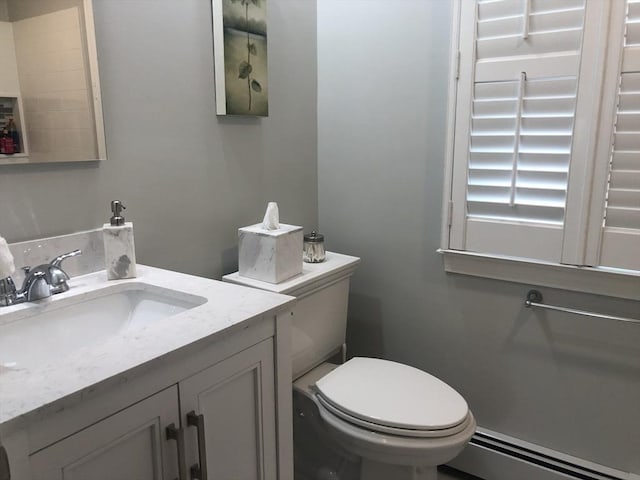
column 336, row 265
column 393, row 394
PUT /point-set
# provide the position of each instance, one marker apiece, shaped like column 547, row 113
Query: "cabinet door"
column 236, row 401
column 129, row 445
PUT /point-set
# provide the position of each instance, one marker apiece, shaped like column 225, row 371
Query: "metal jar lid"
column 314, row 237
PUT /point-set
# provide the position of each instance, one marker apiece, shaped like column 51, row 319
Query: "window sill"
column 596, row 280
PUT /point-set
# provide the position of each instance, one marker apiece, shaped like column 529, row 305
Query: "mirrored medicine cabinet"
column 50, row 102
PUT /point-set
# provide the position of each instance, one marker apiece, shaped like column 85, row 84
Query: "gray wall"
column 4, row 12
column 566, row 383
column 189, row 179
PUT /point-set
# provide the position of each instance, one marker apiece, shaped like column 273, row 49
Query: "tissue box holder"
column 270, row 255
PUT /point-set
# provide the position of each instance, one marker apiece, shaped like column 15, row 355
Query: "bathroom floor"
column 448, row 473
column 444, row 473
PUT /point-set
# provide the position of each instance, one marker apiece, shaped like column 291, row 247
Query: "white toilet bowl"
column 401, row 421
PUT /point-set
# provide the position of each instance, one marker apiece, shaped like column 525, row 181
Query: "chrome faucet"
column 35, row 287
column 39, row 282
column 55, row 276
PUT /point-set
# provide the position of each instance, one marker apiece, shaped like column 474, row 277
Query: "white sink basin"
column 48, row 330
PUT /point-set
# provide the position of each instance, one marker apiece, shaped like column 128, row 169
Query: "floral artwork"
column 240, row 49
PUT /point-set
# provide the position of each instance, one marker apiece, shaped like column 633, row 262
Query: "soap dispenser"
column 119, row 248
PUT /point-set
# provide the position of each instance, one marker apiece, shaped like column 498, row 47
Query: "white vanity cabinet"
column 216, row 376
column 220, row 421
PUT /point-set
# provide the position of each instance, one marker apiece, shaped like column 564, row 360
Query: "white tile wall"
column 9, row 78
column 55, row 88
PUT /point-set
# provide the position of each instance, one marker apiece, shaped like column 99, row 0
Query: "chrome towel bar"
column 534, row 299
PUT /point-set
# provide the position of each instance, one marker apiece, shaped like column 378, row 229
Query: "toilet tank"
column 319, row 322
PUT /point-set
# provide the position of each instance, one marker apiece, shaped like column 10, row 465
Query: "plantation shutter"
column 621, row 233
column 515, row 125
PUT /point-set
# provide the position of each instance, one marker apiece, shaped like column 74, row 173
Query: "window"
column 620, row 245
column 545, row 136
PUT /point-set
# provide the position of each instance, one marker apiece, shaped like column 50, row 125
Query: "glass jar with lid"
column 313, row 248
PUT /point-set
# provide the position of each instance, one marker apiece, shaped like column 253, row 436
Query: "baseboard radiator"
column 493, row 456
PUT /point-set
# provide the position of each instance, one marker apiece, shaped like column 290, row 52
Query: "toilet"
column 392, row 420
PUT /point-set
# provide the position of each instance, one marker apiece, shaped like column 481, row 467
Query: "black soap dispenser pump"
column 119, row 246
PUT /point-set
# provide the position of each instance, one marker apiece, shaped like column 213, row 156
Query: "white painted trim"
column 218, row 57
column 585, row 131
column 23, row 126
column 94, row 75
column 607, row 120
column 479, row 458
column 596, row 467
column 23, row 156
column 622, row 248
column 466, row 29
column 284, row 400
column 595, row 280
column 452, row 95
column 539, row 241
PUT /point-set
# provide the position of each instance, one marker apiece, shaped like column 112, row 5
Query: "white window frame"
column 582, row 236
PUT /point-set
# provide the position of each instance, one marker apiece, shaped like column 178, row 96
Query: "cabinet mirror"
column 50, row 106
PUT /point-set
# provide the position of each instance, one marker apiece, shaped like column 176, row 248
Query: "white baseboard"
column 493, row 456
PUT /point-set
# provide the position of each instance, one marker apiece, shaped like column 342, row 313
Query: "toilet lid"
column 393, row 395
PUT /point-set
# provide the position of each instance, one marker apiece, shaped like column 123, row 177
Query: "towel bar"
column 534, row 299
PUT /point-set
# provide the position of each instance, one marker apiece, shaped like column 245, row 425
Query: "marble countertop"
column 24, row 391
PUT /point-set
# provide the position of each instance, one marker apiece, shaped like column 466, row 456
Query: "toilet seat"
column 402, row 432
column 392, row 398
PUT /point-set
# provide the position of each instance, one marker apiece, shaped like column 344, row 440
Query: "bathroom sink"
column 48, row 330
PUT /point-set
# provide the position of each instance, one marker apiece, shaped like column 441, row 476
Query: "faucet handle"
column 56, row 276
column 26, row 270
column 56, row 262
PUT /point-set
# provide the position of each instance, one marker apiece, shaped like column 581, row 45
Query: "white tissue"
column 271, row 219
column 6, row 260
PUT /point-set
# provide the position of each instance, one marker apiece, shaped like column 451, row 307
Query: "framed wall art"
column 240, row 51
